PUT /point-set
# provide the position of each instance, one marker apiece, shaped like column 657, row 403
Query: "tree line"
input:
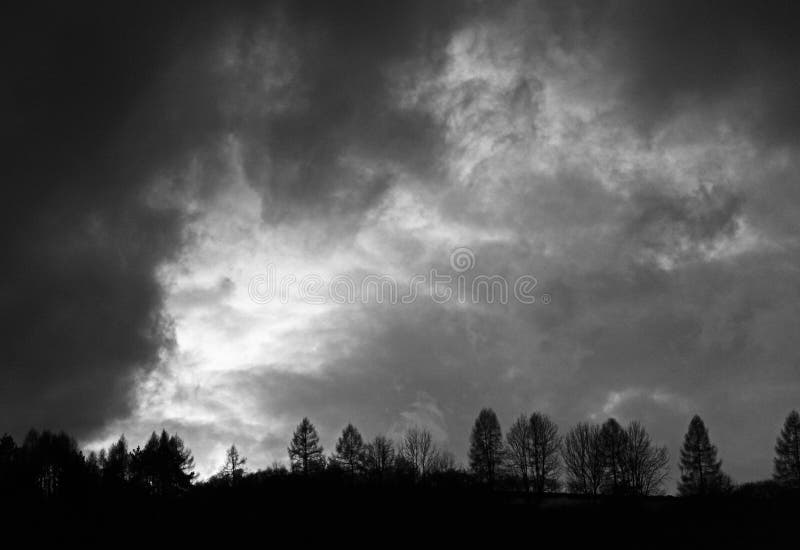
column 532, row 457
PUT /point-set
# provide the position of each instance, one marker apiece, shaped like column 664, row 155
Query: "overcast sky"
column 639, row 159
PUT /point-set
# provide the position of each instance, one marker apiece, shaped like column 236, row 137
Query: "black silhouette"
column 305, row 452
column 596, row 473
column 486, row 447
column 379, row 458
column 545, row 451
column 787, row 453
column 613, row 440
column 350, row 451
column 584, row 461
column 701, row 472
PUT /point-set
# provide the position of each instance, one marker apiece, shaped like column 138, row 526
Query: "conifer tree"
column 164, row 467
column 305, row 452
column 787, row 453
column 116, row 470
column 701, row 472
column 233, row 469
column 350, row 450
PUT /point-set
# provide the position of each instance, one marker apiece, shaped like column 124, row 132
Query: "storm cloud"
column 639, row 159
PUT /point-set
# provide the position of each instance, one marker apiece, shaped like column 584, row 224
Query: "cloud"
column 96, row 111
column 638, row 159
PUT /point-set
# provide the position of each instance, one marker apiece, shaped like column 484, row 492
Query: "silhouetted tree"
column 305, row 452
column 8, row 456
column 544, row 455
column 379, row 457
column 232, row 470
column 583, row 459
column 486, row 446
column 787, row 453
column 701, row 472
column 613, row 439
column 164, row 467
column 418, row 449
column 350, row 450
column 646, row 466
column 51, row 463
column 117, row 467
column 93, row 465
column 442, row 461
column 518, row 449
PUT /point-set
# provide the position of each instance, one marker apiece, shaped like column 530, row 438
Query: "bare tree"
column 583, row 459
column 646, row 465
column 545, row 451
column 486, row 446
column 613, row 438
column 418, row 449
column 442, row 461
column 518, row 449
column 379, row 456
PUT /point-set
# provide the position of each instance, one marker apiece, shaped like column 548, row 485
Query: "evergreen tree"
column 164, row 467
column 305, row 452
column 116, row 469
column 787, row 453
column 486, row 446
column 350, row 450
column 701, row 472
column 233, row 469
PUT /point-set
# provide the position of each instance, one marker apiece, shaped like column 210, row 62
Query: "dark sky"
column 639, row 159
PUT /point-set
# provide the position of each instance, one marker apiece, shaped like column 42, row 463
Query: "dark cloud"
column 731, row 61
column 338, row 134
column 97, row 102
column 102, row 100
column 669, row 297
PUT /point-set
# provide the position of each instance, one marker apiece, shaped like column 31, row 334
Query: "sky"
column 637, row 161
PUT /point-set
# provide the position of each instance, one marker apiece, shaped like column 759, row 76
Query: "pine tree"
column 787, row 453
column 164, row 467
column 305, row 452
column 701, row 472
column 350, row 450
column 116, row 470
column 233, row 469
column 486, row 446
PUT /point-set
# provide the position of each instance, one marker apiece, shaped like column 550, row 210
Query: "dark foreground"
column 305, row 517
